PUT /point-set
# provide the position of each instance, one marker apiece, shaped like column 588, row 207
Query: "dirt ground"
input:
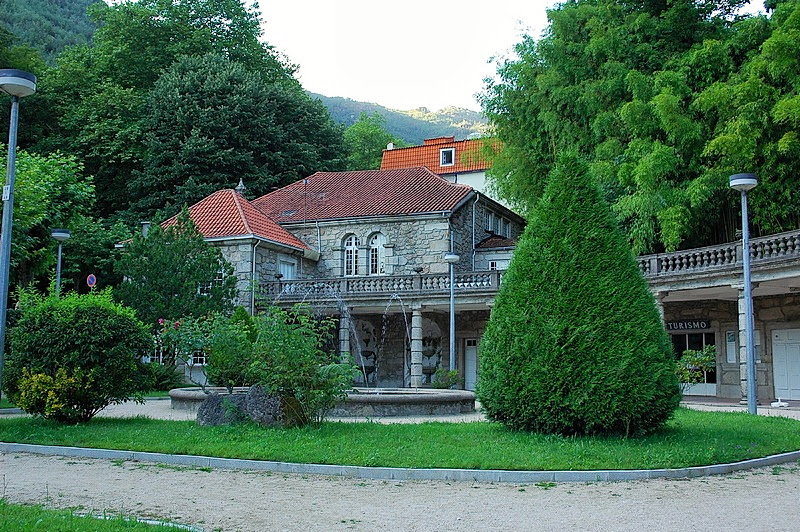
column 761, row 499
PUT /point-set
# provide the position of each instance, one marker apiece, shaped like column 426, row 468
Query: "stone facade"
column 774, row 313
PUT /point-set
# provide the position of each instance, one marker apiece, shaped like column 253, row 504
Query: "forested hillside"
column 48, row 25
column 411, row 126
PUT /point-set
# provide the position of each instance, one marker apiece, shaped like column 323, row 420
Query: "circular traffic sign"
column 91, row 280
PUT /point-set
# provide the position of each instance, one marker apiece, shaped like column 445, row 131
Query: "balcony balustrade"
column 770, row 250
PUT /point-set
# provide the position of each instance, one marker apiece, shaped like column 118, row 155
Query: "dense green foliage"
column 110, row 102
column 575, row 343
column 290, row 360
column 365, row 141
column 691, row 438
column 73, row 356
column 174, row 273
column 211, row 121
column 666, row 100
column 47, row 25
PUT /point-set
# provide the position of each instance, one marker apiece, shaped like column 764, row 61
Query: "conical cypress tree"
column 575, row 344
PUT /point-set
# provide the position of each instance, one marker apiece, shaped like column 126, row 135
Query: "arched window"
column 376, row 255
column 351, row 255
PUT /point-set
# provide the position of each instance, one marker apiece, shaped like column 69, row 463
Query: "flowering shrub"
column 693, row 365
column 72, row 356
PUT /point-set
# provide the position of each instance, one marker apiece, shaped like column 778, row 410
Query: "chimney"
column 390, row 146
column 145, row 228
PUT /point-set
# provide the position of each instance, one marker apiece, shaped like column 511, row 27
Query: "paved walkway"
column 762, row 499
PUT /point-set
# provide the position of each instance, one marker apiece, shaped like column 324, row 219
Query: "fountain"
column 369, row 401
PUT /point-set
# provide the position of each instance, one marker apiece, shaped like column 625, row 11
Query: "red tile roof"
column 469, row 156
column 336, row 195
column 226, row 213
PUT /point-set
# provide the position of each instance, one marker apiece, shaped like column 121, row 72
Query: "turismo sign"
column 688, row 325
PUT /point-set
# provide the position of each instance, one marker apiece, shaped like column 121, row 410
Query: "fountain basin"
column 361, row 402
column 372, row 402
column 190, row 399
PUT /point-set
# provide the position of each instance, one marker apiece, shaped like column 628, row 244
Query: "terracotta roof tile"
column 336, row 195
column 226, row 213
column 469, row 156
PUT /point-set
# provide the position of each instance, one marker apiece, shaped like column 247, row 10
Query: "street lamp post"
column 60, row 235
column 452, row 259
column 17, row 84
column 743, row 183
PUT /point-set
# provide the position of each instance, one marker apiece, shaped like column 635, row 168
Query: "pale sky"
column 402, row 54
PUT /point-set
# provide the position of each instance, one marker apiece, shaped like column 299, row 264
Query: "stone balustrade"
column 769, row 249
column 487, row 281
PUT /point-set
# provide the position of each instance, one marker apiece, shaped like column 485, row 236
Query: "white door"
column 470, row 363
column 786, row 363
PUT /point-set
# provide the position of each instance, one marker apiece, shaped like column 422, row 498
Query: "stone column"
column 660, row 304
column 743, row 345
column 344, row 337
column 416, row 348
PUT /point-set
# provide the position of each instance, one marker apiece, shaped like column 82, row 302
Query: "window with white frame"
column 447, row 156
column 492, row 264
column 488, row 221
column 377, row 254
column 351, row 244
column 218, row 280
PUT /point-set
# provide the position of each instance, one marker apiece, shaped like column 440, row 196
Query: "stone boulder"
column 225, row 409
column 222, row 410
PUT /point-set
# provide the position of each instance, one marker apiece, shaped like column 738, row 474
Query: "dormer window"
column 447, row 156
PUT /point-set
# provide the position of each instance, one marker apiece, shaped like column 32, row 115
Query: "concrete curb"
column 393, row 473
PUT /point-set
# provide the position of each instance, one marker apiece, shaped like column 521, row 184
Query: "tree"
column 99, row 91
column 365, row 141
column 575, row 343
column 625, row 84
column 210, row 122
column 174, row 273
column 50, row 191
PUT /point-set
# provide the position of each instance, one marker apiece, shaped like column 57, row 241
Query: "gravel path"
column 765, row 499
column 762, row 499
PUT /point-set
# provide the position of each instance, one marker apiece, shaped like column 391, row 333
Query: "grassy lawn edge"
column 691, row 438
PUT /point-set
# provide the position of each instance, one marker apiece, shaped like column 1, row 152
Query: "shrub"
column 73, row 356
column 160, row 377
column 575, row 344
column 227, row 344
column 289, row 361
column 444, row 380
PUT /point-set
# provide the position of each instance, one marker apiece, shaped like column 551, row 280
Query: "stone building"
column 368, row 247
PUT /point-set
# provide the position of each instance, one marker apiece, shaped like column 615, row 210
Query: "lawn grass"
column 35, row 517
column 692, row 438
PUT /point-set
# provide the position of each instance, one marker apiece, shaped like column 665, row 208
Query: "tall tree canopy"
column 210, row 121
column 666, row 99
column 100, row 93
column 366, row 139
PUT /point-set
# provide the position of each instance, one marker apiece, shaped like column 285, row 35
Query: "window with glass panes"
column 696, row 342
column 376, row 255
column 351, row 255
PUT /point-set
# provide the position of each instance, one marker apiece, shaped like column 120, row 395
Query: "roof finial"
column 240, row 187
